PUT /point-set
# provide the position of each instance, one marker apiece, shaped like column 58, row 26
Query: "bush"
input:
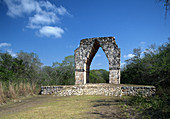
column 157, row 107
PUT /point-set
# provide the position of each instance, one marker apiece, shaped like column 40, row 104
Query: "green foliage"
column 32, row 65
column 99, row 76
column 28, row 68
column 153, row 68
column 157, row 107
column 64, row 71
column 6, row 62
column 59, row 73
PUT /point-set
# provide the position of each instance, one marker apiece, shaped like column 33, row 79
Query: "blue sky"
column 53, row 28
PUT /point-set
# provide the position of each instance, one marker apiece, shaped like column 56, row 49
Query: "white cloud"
column 142, row 43
column 11, row 53
column 62, row 11
column 43, row 18
column 4, row 45
column 98, row 64
column 17, row 8
column 122, row 64
column 98, row 55
column 47, row 5
column 33, row 26
column 40, row 13
column 7, row 49
column 51, row 31
column 129, row 56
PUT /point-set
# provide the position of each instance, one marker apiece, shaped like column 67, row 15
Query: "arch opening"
column 99, row 68
column 86, row 52
column 96, row 76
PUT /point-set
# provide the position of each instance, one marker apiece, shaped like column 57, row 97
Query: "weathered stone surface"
column 99, row 89
column 87, row 50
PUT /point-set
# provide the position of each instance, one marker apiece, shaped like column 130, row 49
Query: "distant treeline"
column 151, row 67
column 26, row 67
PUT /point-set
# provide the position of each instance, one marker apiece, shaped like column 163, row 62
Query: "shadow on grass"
column 108, row 108
column 107, row 115
column 109, row 101
column 99, row 103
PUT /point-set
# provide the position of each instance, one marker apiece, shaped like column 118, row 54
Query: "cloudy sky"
column 53, row 28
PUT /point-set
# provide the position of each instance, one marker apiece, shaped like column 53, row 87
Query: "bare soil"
column 24, row 104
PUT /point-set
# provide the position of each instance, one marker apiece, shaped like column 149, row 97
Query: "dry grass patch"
column 2, row 95
column 75, row 107
column 71, row 107
column 12, row 91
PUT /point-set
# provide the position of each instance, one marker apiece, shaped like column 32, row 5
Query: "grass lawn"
column 71, row 107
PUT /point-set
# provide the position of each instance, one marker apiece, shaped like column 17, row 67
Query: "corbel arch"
column 87, row 50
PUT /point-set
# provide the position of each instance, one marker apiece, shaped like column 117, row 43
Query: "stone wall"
column 99, row 89
column 87, row 50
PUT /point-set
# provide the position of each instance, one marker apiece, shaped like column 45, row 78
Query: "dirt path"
column 75, row 107
column 24, row 104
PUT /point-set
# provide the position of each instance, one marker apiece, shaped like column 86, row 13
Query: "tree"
column 32, row 65
column 152, row 69
column 65, row 71
column 11, row 69
column 6, row 73
column 48, row 76
column 167, row 6
column 99, row 76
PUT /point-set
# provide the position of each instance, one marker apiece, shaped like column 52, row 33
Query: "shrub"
column 152, row 107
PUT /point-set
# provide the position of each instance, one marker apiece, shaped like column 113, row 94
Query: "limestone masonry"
column 87, row 50
column 99, row 89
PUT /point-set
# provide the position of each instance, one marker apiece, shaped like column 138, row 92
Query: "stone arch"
column 87, row 50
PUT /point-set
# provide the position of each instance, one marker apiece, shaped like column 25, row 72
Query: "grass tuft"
column 2, row 95
column 11, row 92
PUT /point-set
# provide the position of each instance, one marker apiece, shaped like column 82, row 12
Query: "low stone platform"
column 99, row 89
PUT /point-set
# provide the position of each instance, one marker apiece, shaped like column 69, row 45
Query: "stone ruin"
column 83, row 58
column 87, row 50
